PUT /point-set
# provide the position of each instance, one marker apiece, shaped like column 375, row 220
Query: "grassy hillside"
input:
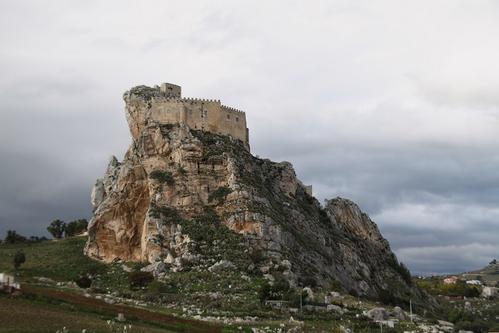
column 50, row 308
column 488, row 274
column 161, row 306
column 21, row 315
column 61, row 260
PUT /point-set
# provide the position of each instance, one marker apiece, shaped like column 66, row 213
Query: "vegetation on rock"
column 163, row 177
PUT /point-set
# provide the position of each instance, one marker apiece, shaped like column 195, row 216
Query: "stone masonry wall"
column 208, row 115
column 165, row 105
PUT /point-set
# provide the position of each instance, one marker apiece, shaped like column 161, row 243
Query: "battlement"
column 200, row 100
column 228, row 108
column 165, row 105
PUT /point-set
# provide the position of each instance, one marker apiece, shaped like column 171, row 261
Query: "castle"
column 166, row 106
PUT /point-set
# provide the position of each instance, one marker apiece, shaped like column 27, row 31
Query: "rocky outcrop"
column 192, row 200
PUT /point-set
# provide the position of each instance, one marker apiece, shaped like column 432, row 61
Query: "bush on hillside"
column 14, row 238
column 140, row 279
column 83, row 282
column 277, row 291
column 475, row 325
column 75, row 227
column 57, row 228
column 219, row 194
column 19, row 259
column 162, row 177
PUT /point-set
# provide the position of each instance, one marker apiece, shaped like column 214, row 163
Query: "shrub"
column 401, row 269
column 75, row 227
column 308, row 281
column 19, row 259
column 147, row 93
column 13, row 238
column 36, row 239
column 167, row 215
column 140, row 279
column 156, row 287
column 474, row 325
column 83, row 282
column 354, row 293
column 335, row 285
column 219, row 194
column 257, row 256
column 162, row 177
column 57, row 228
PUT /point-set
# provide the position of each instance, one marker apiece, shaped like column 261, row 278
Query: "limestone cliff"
column 189, row 198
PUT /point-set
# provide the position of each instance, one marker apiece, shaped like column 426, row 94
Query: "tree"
column 19, row 259
column 83, row 282
column 56, row 228
column 13, row 237
column 75, row 227
column 140, row 279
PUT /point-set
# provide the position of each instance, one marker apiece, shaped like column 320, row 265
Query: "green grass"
column 61, row 260
column 64, row 260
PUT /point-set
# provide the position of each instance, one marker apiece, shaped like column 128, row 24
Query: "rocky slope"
column 185, row 199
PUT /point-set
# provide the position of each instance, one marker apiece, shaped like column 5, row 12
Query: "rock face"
column 180, row 194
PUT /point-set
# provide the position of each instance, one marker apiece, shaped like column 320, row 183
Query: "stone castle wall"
column 203, row 114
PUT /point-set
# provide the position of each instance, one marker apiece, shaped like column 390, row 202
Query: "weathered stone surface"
column 155, row 268
column 378, row 314
column 222, row 265
column 178, row 171
column 400, row 314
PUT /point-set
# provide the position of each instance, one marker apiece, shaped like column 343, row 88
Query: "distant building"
column 474, row 282
column 8, row 283
column 451, row 280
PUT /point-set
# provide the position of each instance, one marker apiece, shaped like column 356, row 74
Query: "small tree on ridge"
column 57, row 228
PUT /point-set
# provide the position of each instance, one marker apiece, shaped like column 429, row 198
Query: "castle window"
column 228, row 116
column 237, row 118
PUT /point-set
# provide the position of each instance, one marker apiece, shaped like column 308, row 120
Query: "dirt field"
column 77, row 312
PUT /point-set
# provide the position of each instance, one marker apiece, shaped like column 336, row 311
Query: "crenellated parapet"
column 164, row 104
column 231, row 109
column 200, row 100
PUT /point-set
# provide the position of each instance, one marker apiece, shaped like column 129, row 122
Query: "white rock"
column 169, row 259
column 222, row 265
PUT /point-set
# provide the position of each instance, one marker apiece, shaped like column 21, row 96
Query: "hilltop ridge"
column 188, row 199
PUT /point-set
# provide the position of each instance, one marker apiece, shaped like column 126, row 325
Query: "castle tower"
column 171, row 90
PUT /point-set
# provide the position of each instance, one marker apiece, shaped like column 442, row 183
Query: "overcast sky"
column 393, row 104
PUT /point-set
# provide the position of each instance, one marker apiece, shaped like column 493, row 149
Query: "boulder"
column 400, row 314
column 222, row 265
column 378, row 314
column 155, row 268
